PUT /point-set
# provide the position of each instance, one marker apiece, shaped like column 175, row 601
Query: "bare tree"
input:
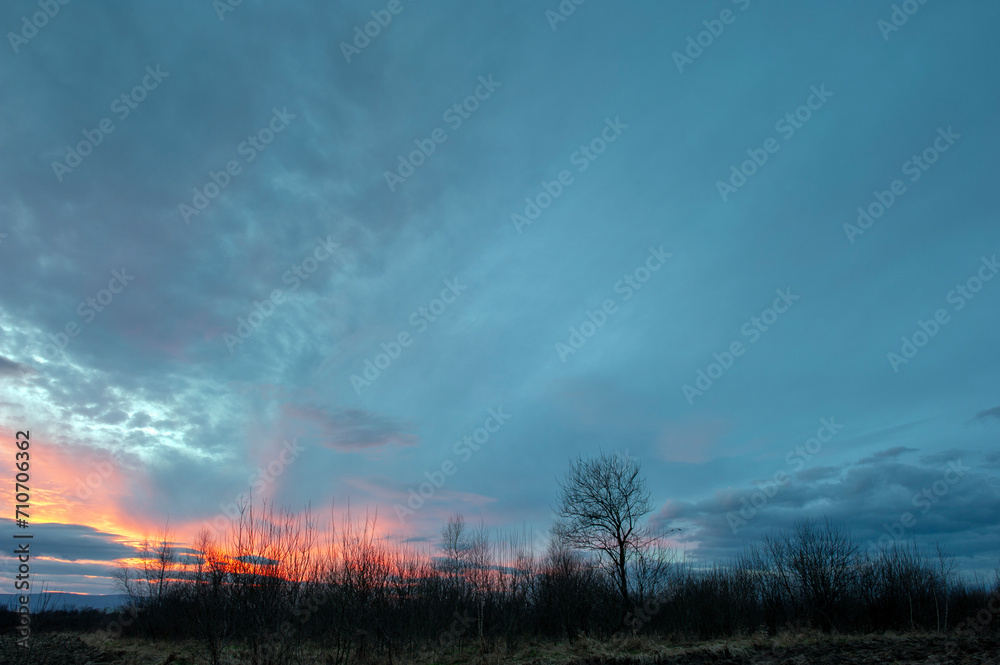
column 454, row 544
column 945, row 572
column 208, row 592
column 652, row 568
column 149, row 583
column 159, row 564
column 602, row 503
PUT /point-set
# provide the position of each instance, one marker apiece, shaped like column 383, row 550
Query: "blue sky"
column 579, row 217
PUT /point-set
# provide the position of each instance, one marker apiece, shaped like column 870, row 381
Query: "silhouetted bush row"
column 271, row 588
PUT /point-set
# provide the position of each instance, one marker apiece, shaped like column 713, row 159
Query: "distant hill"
column 68, row 601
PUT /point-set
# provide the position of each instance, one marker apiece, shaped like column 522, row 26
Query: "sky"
column 414, row 257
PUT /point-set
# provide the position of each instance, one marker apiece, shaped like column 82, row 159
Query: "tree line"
column 273, row 587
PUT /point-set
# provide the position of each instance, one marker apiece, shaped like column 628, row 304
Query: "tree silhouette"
column 602, row 503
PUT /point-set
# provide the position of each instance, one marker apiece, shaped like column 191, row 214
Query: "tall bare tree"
column 454, row 544
column 602, row 503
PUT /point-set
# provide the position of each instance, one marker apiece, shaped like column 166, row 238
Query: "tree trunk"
column 623, row 583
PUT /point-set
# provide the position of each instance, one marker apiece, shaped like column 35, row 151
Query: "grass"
column 788, row 646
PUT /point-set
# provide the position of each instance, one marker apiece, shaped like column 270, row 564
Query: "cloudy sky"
column 750, row 244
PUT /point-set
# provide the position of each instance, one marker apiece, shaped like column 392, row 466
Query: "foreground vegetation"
column 605, row 590
column 271, row 599
column 759, row 649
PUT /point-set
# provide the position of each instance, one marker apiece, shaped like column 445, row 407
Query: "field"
column 800, row 649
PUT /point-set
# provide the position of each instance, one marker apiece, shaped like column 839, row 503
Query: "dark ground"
column 811, row 649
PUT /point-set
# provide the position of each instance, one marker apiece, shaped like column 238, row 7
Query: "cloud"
column 74, row 542
column 988, row 413
column 149, row 375
column 864, row 496
column 10, row 368
column 257, row 560
column 891, row 453
column 350, row 429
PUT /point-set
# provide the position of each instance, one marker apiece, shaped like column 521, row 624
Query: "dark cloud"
column 944, row 501
column 10, row 368
column 73, row 542
column 988, row 414
column 257, row 560
column 352, row 430
column 891, row 453
column 818, row 473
